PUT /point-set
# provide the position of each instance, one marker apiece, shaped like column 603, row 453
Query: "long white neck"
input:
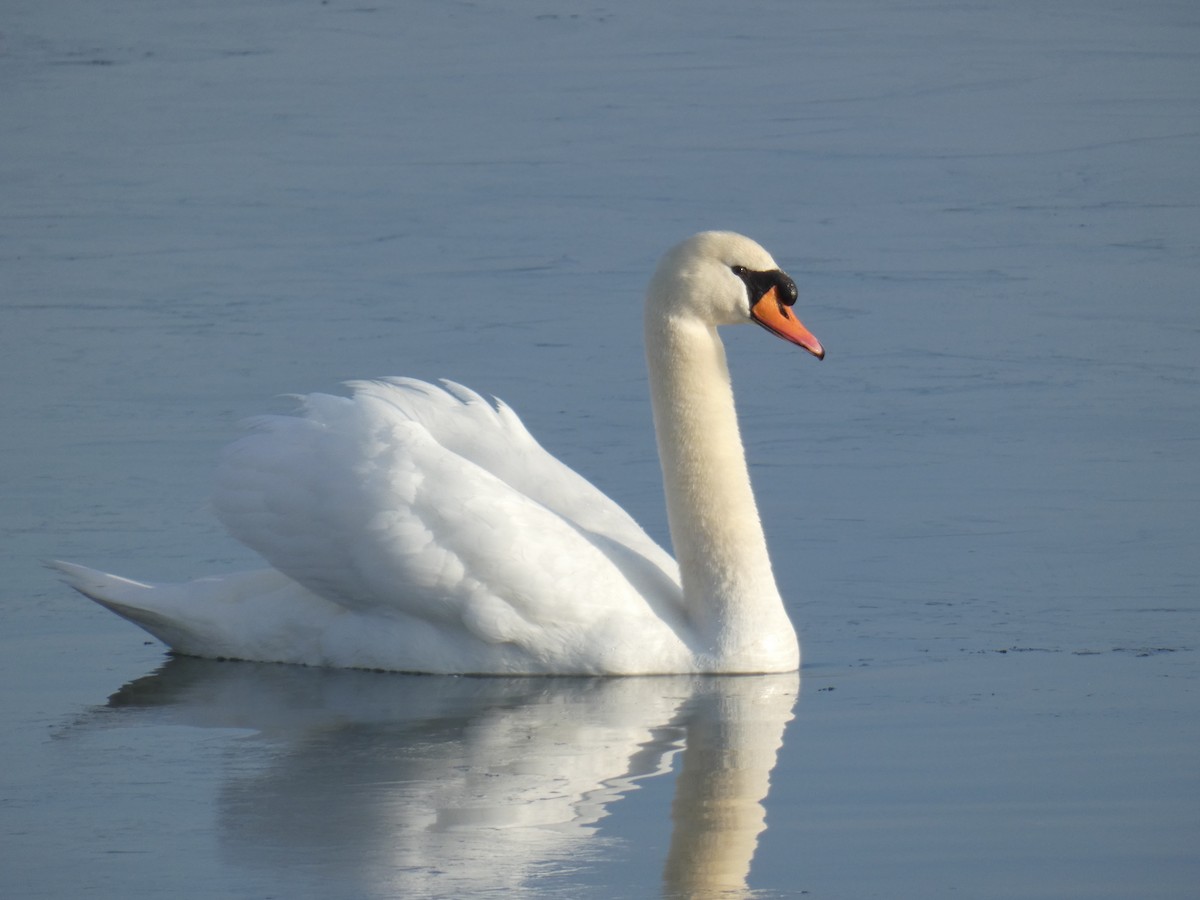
column 728, row 585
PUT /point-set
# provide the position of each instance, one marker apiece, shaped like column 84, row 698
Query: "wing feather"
column 412, row 499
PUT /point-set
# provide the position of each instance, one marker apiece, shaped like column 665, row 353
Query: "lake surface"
column 983, row 506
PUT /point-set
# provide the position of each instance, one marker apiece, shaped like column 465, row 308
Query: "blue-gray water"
column 983, row 506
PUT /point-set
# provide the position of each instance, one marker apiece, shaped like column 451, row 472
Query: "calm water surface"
column 982, row 506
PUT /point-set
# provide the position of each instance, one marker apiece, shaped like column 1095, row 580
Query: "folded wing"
column 408, row 499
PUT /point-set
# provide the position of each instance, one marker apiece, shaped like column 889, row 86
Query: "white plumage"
column 421, row 528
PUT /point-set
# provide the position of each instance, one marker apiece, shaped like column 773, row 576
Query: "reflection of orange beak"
column 779, row 319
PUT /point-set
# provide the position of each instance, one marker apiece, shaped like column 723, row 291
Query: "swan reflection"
column 430, row 786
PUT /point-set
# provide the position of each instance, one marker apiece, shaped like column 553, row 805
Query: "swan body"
column 421, row 528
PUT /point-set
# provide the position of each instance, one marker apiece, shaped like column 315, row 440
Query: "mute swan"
column 420, row 528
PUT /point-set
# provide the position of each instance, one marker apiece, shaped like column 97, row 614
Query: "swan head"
column 723, row 278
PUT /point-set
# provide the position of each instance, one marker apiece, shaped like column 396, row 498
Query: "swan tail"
column 121, row 595
column 261, row 615
column 181, row 616
column 131, row 600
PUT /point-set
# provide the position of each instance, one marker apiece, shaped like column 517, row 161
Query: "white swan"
column 423, row 529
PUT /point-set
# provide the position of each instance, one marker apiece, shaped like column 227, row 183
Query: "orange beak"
column 775, row 316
